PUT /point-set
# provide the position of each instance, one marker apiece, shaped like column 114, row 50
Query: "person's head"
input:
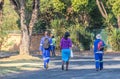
column 66, row 35
column 52, row 36
column 47, row 33
column 98, row 36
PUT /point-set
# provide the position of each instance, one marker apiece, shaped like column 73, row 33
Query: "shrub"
column 81, row 37
column 114, row 39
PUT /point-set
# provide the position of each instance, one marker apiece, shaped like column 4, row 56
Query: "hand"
column 40, row 52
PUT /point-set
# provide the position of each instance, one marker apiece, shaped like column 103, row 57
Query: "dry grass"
column 19, row 57
column 19, row 64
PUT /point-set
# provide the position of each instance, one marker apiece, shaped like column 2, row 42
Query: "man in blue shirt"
column 98, row 52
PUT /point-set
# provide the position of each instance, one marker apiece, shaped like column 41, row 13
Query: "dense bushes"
column 81, row 37
column 114, row 39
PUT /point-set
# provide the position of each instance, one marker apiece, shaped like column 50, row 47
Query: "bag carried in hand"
column 71, row 53
column 46, row 43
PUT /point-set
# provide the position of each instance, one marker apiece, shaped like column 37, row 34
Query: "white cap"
column 98, row 36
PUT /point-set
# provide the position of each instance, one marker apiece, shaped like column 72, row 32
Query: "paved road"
column 80, row 68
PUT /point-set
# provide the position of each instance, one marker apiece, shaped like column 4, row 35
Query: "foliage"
column 3, row 37
column 58, row 5
column 29, row 5
column 114, row 39
column 79, row 5
column 39, row 26
column 95, row 21
column 81, row 36
column 115, row 6
column 45, row 5
column 91, row 5
column 58, row 29
column 76, row 16
column 10, row 18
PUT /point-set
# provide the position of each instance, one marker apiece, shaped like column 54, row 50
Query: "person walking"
column 45, row 48
column 98, row 52
column 65, row 45
column 53, row 46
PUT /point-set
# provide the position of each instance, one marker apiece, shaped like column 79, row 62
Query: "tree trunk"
column 118, row 21
column 1, row 12
column 24, row 47
column 34, row 16
column 101, row 8
column 1, row 17
column 26, row 29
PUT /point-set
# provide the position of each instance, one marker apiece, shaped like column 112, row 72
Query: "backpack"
column 46, row 43
column 100, row 47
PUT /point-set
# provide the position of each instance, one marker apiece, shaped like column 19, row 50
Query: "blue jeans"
column 53, row 51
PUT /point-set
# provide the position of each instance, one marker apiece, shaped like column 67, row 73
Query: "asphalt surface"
column 80, row 67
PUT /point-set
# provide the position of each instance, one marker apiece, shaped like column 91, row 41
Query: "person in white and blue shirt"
column 45, row 52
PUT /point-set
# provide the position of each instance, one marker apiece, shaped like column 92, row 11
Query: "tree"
column 26, row 26
column 101, row 8
column 115, row 6
column 1, row 12
column 1, row 16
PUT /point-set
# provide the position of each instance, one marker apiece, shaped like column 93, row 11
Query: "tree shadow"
column 79, row 68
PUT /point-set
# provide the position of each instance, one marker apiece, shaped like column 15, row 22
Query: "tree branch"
column 1, row 12
column 34, row 15
column 101, row 8
column 1, row 4
column 16, row 6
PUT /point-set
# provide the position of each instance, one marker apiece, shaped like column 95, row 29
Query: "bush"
column 81, row 37
column 58, row 26
column 3, row 37
column 114, row 39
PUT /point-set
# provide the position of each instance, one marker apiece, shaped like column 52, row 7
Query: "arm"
column 51, row 43
column 41, row 44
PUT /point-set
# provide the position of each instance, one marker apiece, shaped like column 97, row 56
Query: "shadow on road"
column 79, row 68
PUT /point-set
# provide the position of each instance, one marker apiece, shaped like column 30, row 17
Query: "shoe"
column 66, row 69
column 97, row 69
column 62, row 67
column 101, row 68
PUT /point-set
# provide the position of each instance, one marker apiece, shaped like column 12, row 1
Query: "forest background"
column 82, row 18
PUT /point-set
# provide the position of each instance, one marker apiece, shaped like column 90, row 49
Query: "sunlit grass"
column 14, row 65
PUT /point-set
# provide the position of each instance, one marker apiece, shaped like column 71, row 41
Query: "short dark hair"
column 66, row 35
column 52, row 36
